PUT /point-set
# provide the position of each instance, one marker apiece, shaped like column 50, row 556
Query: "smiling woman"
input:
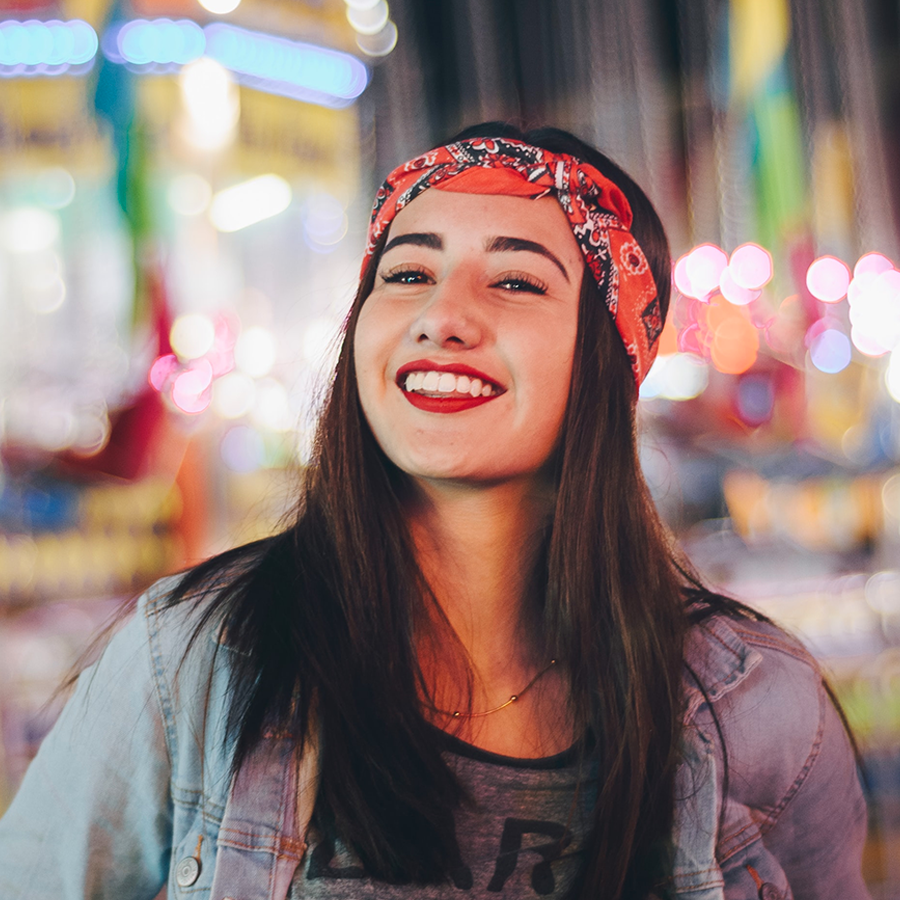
column 474, row 663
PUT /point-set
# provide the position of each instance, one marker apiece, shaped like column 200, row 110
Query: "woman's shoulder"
column 758, row 690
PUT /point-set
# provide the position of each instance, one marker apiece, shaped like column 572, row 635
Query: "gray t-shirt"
column 523, row 838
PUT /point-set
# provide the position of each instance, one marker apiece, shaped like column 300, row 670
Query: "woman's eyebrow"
column 502, row 244
column 418, row 238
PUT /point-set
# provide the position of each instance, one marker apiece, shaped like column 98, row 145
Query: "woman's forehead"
column 484, row 216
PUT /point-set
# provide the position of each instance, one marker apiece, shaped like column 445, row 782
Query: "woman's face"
column 464, row 348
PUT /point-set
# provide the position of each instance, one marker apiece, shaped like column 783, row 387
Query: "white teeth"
column 447, row 383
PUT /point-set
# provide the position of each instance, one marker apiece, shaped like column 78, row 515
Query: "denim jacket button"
column 187, row 871
column 768, row 891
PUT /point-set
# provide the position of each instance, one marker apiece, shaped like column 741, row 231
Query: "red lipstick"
column 445, row 403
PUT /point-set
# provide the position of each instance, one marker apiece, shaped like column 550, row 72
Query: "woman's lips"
column 445, row 404
column 436, row 387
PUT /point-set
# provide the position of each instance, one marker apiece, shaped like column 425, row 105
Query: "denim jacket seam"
column 771, row 642
column 159, row 676
column 772, row 819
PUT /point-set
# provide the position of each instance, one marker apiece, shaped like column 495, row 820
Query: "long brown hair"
column 327, row 613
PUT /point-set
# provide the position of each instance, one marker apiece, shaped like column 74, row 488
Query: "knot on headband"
column 597, row 210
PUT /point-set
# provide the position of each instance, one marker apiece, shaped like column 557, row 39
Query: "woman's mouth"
column 445, row 390
column 445, row 384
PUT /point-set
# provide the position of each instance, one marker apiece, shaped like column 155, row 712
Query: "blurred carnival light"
column 703, row 267
column 324, row 223
column 892, row 377
column 829, row 351
column 211, row 104
column 220, row 7
column 189, row 194
column 48, row 48
column 28, row 229
column 874, row 263
column 55, row 188
column 233, row 395
column 192, row 335
column 191, row 389
column 254, row 352
column 291, row 68
column 828, row 279
column 376, row 34
column 750, row 267
column 249, row 202
column 875, row 310
column 676, row 376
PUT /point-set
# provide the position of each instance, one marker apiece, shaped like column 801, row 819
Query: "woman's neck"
column 476, row 548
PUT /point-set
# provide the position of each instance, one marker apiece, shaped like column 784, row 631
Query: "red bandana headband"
column 596, row 208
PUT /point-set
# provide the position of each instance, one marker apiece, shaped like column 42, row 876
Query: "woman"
column 473, row 664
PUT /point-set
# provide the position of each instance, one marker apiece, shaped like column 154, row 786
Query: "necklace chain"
column 513, row 698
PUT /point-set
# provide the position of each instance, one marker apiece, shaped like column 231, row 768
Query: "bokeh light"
column 828, row 279
column 211, row 104
column 55, row 188
column 163, row 371
column 271, row 409
column 233, row 395
column 250, row 202
column 875, row 311
column 380, row 44
column 254, row 351
column 53, row 47
column 368, row 20
column 189, row 194
column 242, row 449
column 191, row 389
column 325, row 223
column 750, row 267
column 736, row 293
column 704, row 266
column 220, row 7
column 192, row 335
column 28, row 229
column 734, row 340
column 874, row 263
column 829, row 351
column 681, row 278
column 679, row 376
column 292, row 68
column 892, row 377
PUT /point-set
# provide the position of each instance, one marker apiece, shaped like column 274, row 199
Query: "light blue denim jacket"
column 133, row 779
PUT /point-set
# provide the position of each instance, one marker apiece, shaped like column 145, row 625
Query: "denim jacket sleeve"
column 134, row 780
column 92, row 817
column 790, row 814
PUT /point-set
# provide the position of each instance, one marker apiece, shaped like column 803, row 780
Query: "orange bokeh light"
column 734, row 343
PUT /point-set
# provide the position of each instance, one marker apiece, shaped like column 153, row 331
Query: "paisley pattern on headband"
column 598, row 213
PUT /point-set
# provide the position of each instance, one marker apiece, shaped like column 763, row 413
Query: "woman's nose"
column 449, row 317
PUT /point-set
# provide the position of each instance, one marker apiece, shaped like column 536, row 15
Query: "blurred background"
column 184, row 186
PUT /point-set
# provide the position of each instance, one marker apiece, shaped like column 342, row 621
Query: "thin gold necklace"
column 513, row 698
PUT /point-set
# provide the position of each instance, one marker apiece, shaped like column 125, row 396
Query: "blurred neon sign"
column 266, row 62
column 33, row 48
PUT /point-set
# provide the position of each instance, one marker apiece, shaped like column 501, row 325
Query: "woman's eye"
column 405, row 276
column 523, row 283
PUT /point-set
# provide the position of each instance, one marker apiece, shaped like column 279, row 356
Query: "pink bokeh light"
column 750, row 267
column 828, row 279
column 736, row 293
column 874, row 263
column 704, row 266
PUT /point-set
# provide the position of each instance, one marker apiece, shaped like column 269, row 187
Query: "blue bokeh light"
column 46, row 48
column 292, row 68
column 155, row 42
